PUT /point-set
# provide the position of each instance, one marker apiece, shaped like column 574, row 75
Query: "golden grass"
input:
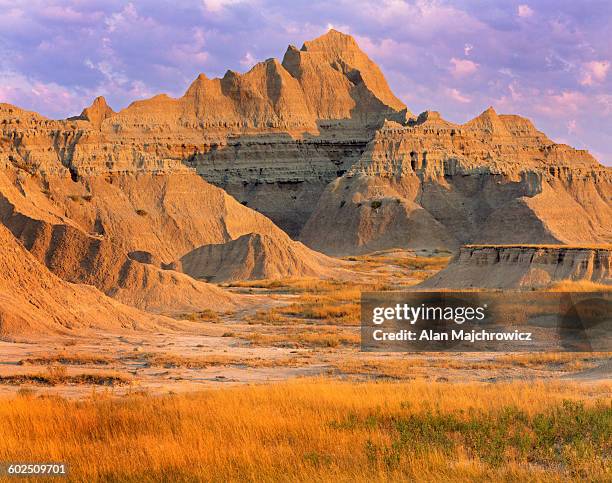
column 430, row 364
column 566, row 360
column 201, row 316
column 326, row 302
column 58, row 375
column 169, row 361
column 306, row 338
column 77, row 359
column 578, row 286
column 319, row 430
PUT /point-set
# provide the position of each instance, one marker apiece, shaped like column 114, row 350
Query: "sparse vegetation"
column 578, row 286
column 141, row 212
column 323, row 431
column 169, row 361
column 314, row 338
column 67, row 359
column 376, row 204
column 206, row 315
column 56, row 375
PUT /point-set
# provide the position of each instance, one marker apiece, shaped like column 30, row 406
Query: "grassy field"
column 321, row 430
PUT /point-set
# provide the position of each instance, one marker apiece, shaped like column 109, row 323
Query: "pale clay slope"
column 34, row 302
column 256, row 256
column 98, row 231
column 79, row 257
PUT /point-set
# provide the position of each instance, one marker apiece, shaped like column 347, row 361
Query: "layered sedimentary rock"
column 483, row 266
column 318, row 143
column 272, row 137
column 256, row 256
column 495, row 179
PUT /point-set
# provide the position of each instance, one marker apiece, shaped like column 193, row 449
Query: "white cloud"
column 525, row 11
column 463, row 67
column 30, row 93
column 456, row 95
column 248, row 60
column 594, row 72
column 467, row 49
column 216, row 6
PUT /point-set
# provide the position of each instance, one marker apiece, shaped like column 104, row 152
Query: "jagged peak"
column 331, row 40
column 200, row 81
column 97, row 111
column 489, row 121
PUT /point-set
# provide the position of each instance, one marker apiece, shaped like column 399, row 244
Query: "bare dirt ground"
column 297, row 328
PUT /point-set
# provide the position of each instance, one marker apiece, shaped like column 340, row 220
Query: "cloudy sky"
column 549, row 60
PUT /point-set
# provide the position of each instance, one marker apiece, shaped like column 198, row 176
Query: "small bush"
column 376, row 204
column 141, row 212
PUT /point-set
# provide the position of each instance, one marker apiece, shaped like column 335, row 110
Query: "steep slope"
column 507, row 266
column 95, row 259
column 35, row 302
column 121, row 234
column 255, row 256
column 495, row 179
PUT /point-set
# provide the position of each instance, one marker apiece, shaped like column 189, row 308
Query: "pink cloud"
column 457, row 96
column 34, row 94
column 594, row 72
column 524, row 11
column 561, row 104
column 463, row 67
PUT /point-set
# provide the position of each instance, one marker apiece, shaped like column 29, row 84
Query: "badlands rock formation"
column 33, row 301
column 509, row 266
column 317, row 142
column 495, row 179
column 272, row 137
column 257, row 256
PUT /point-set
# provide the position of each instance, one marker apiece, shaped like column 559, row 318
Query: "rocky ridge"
column 495, row 179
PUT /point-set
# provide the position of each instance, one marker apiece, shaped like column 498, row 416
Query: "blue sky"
column 549, row 60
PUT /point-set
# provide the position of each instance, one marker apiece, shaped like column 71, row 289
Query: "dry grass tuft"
column 56, row 375
column 68, row 359
column 578, row 286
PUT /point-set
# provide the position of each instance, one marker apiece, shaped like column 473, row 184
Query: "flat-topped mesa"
column 526, row 266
